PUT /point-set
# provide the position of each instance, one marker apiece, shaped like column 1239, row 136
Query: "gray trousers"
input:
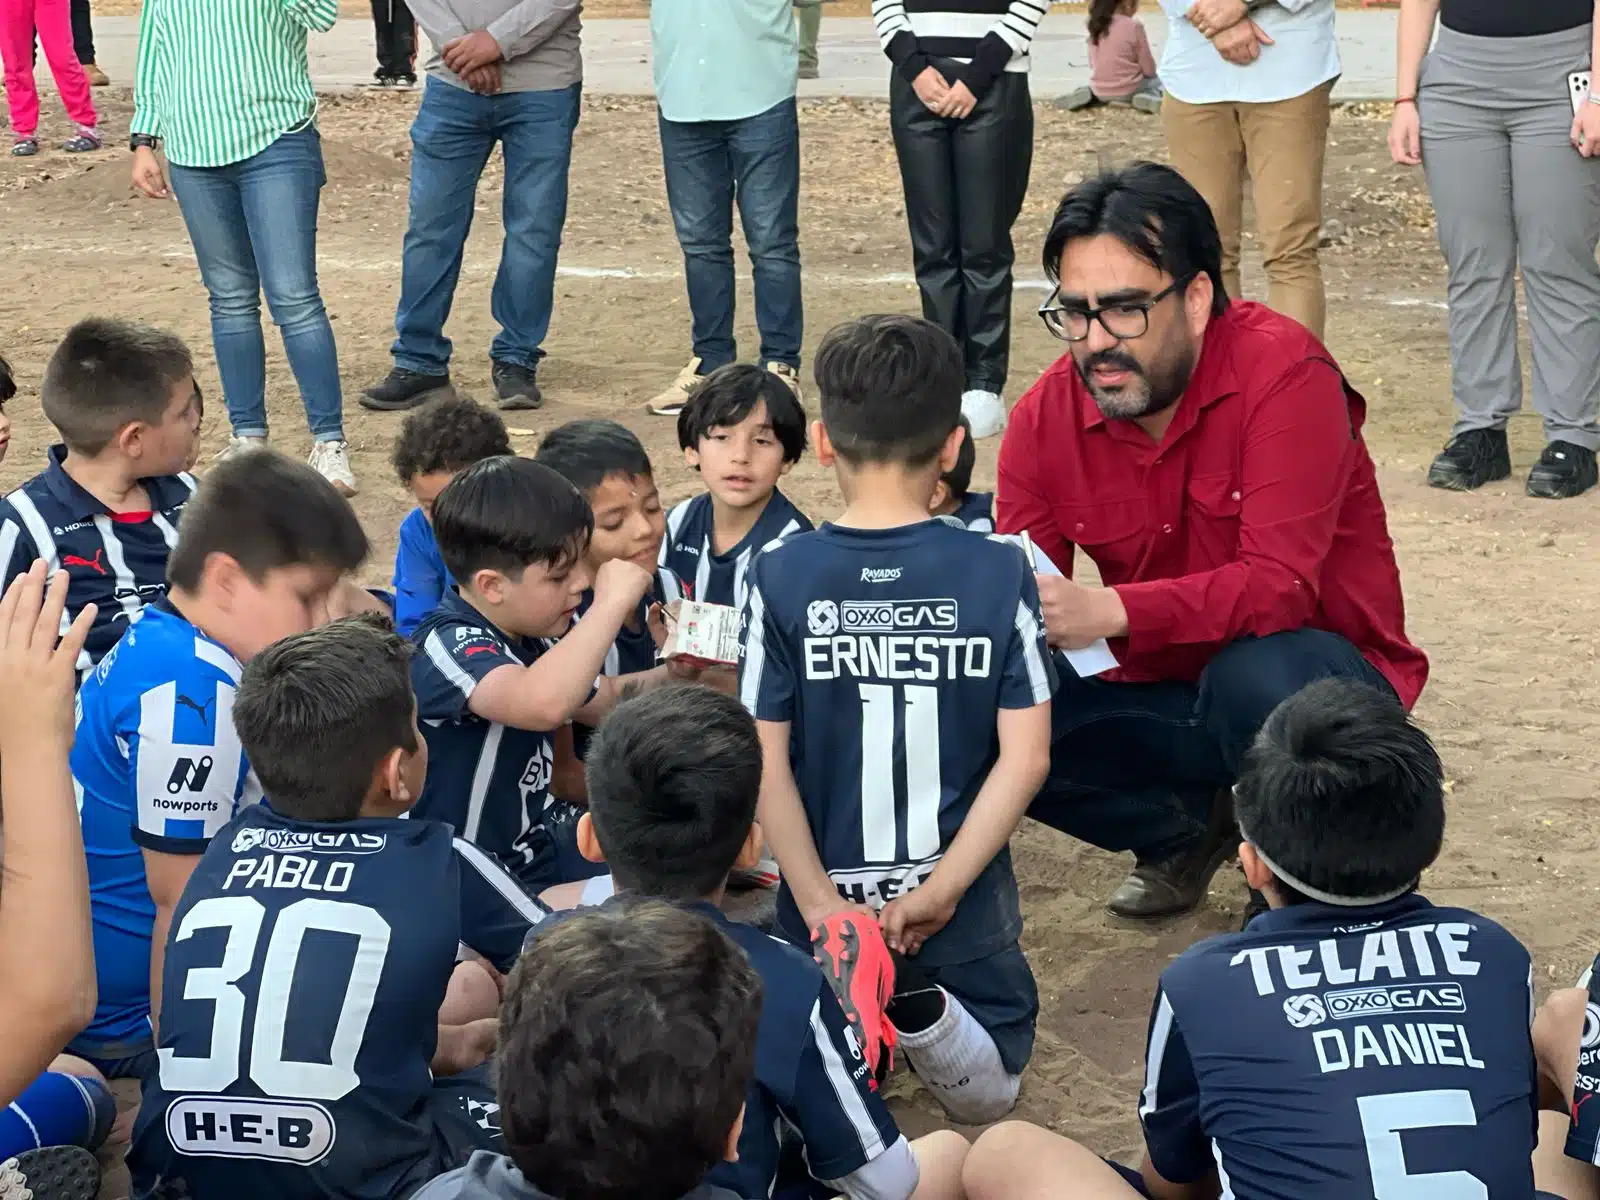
column 1508, row 188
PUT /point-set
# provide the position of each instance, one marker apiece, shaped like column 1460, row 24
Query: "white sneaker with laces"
column 331, row 460
column 671, row 401
column 986, row 412
column 239, row 445
column 790, row 376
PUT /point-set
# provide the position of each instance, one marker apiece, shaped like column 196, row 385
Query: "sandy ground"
column 1503, row 590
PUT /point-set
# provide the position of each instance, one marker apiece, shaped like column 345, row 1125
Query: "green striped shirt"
column 219, row 81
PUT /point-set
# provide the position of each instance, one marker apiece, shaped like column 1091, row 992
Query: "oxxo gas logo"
column 899, row 616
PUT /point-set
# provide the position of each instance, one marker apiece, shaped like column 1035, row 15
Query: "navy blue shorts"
column 1001, row 995
column 1129, row 1176
column 466, row 1114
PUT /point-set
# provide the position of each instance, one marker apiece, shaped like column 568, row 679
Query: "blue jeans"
column 1136, row 766
column 755, row 160
column 253, row 225
column 451, row 140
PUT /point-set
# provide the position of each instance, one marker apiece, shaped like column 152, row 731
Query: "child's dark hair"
column 589, row 452
column 8, row 385
column 1100, row 14
column 506, row 514
column 627, row 1040
column 891, row 389
column 446, row 435
column 673, row 779
column 265, row 511
column 958, row 479
column 729, row 394
column 317, row 712
column 1343, row 791
column 107, row 374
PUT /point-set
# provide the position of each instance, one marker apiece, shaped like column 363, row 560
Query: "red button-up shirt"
column 1257, row 512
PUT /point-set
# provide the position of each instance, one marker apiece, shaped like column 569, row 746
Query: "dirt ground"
column 1515, row 692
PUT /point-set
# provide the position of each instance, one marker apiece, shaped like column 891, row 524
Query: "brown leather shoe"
column 97, row 77
column 1168, row 886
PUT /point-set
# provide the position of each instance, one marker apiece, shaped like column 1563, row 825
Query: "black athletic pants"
column 396, row 32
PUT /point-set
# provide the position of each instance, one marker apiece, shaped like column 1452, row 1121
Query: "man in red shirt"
column 1207, row 456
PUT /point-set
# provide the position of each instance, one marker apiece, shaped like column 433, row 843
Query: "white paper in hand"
column 1095, row 658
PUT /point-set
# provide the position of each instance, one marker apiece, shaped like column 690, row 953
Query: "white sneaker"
column 670, row 402
column 331, row 460
column 985, row 412
column 790, row 376
column 239, row 445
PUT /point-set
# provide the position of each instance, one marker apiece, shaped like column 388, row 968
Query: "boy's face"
column 171, row 444
column 426, row 488
column 541, row 603
column 628, row 521
column 286, row 601
column 741, row 464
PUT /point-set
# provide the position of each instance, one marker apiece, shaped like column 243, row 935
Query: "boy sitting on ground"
column 898, row 673
column 105, row 508
column 951, row 497
column 435, row 442
column 327, row 926
column 742, row 429
column 1354, row 1041
column 494, row 685
column 262, row 552
column 627, row 1040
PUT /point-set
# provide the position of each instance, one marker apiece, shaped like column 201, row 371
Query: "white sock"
column 959, row 1062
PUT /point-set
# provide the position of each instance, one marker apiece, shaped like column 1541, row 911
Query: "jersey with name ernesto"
column 722, row 578
column 1347, row 1054
column 300, row 1006
column 157, row 766
column 115, row 561
column 487, row 781
column 891, row 653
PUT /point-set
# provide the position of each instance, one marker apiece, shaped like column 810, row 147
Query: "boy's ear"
column 1256, row 873
column 730, row 1152
column 489, row 584
column 941, row 496
column 750, row 853
column 390, row 777
column 951, row 450
column 822, row 444
column 588, row 843
column 691, row 455
column 221, row 578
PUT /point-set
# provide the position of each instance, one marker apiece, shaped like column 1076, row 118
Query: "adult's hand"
column 467, row 54
column 1405, row 134
column 485, row 80
column 1241, row 44
column 147, row 176
column 931, row 88
column 958, row 102
column 1586, row 129
column 1076, row 616
column 1211, row 17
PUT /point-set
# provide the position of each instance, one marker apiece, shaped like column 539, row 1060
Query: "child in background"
column 105, row 508
column 494, row 684
column 1121, row 68
column 53, row 20
column 344, row 920
column 974, row 510
column 435, row 442
column 627, row 1040
column 742, row 429
column 898, row 673
column 8, row 389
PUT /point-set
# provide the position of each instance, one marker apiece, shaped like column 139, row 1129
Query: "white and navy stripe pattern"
column 995, row 34
column 115, row 564
column 712, row 578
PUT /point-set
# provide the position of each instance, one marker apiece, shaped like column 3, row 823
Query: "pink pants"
column 53, row 20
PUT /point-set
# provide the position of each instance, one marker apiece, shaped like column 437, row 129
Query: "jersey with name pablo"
column 722, row 578
column 1347, row 1054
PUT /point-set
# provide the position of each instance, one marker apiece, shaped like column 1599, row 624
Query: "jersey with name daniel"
column 116, row 561
column 891, row 653
column 722, row 578
column 487, row 781
column 1347, row 1054
column 1583, row 1139
column 300, row 1006
column 157, row 766
column 976, row 512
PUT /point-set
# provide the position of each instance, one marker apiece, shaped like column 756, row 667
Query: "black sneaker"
column 53, row 1173
column 1472, row 459
column 1562, row 472
column 515, row 386
column 382, row 78
column 404, row 389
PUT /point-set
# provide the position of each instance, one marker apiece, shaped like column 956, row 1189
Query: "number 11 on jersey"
column 920, row 746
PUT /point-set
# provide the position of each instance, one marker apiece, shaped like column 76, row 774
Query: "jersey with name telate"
column 891, row 653
column 300, row 1011
column 158, row 766
column 1347, row 1054
column 722, row 578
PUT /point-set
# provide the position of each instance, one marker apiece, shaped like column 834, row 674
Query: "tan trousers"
column 1282, row 145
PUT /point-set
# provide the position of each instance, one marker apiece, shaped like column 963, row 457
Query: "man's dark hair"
column 673, row 779
column 506, row 514
column 959, row 477
column 317, row 712
column 589, row 452
column 730, row 394
column 891, row 388
column 106, row 374
column 1343, row 791
column 8, row 385
column 627, row 1040
column 265, row 511
column 1153, row 211
column 446, row 435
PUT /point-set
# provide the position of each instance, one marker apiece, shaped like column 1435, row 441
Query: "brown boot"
column 97, row 77
column 1168, row 886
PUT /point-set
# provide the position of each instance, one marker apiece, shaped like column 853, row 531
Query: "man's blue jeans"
column 1136, row 766
column 451, row 140
column 756, row 161
column 253, row 225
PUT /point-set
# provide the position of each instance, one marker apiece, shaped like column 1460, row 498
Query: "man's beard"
column 1146, row 392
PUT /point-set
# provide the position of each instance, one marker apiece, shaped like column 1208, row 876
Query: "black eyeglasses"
column 1124, row 321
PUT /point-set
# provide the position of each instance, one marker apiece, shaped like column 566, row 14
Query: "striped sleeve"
column 1169, row 1105
column 1029, row 676
column 454, row 657
column 890, row 18
column 766, row 679
column 1020, row 23
column 17, row 550
column 843, row 1122
column 316, row 15
column 147, row 74
column 497, row 914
